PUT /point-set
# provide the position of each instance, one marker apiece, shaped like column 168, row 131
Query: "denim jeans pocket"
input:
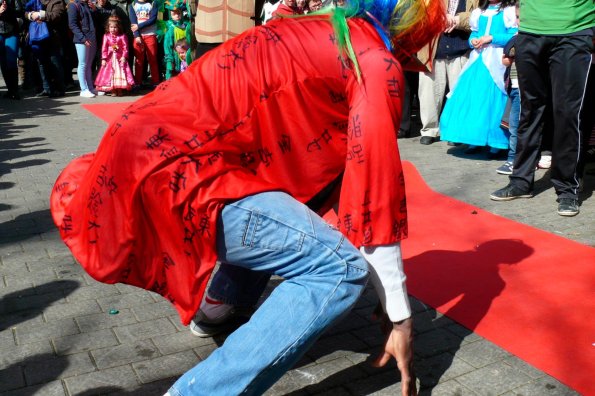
column 270, row 234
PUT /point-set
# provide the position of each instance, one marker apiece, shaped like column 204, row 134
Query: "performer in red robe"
column 281, row 108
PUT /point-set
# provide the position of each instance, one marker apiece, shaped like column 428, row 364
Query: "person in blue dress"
column 474, row 109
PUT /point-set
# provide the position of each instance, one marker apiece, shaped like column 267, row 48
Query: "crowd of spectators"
column 43, row 41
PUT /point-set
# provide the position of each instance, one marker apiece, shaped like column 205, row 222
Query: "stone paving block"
column 130, row 300
column 481, row 353
column 351, row 322
column 85, row 342
column 16, row 354
column 523, row 366
column 204, row 351
column 448, row 388
column 58, row 328
column 124, row 354
column 29, row 302
column 429, row 320
column 331, row 348
column 11, row 378
column 22, row 318
column 95, row 291
column 495, row 379
column 466, row 335
column 7, row 338
column 144, row 330
column 165, row 366
column 440, row 368
column 157, row 388
column 370, row 335
column 102, row 382
column 384, row 384
column 316, row 378
column 154, row 310
column 104, row 320
column 57, row 367
column 73, row 308
column 54, row 388
column 544, row 386
column 436, row 342
column 181, row 341
column 35, row 278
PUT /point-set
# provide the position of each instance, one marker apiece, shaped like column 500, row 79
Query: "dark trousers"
column 562, row 63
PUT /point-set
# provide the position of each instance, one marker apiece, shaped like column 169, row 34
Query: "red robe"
column 272, row 109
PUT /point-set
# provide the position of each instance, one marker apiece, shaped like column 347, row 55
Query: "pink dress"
column 114, row 75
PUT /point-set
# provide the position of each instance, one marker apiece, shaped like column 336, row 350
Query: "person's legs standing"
column 8, row 63
column 81, row 54
column 569, row 67
column 151, row 51
column 513, row 123
column 533, row 75
column 139, row 61
column 325, row 275
column 453, row 71
column 431, row 93
column 89, row 57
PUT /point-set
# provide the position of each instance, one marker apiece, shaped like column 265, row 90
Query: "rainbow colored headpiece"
column 405, row 26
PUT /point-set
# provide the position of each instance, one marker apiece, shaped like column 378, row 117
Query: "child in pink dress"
column 114, row 75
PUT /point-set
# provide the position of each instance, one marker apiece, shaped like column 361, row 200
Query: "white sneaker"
column 100, row 93
column 545, row 162
column 87, row 94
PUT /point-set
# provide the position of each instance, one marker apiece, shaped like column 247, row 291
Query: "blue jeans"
column 9, row 46
column 324, row 276
column 85, row 57
column 513, row 122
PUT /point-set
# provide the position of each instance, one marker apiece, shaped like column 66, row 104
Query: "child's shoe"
column 505, row 169
column 87, row 94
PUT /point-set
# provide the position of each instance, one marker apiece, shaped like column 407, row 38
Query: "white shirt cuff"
column 388, row 278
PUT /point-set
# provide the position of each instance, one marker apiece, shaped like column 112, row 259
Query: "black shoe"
column 57, row 94
column 568, row 207
column 402, row 134
column 499, row 154
column 509, row 193
column 427, row 140
column 452, row 144
column 473, row 150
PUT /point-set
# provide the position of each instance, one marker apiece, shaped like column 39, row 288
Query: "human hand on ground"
column 398, row 345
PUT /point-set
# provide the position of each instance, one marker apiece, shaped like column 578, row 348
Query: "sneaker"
column 509, row 193
column 87, row 94
column 505, row 169
column 215, row 317
column 100, row 93
column 545, row 162
column 568, row 207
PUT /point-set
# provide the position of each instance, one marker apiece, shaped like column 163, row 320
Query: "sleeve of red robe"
column 373, row 190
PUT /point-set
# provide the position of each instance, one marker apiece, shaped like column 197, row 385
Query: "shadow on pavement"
column 25, row 226
column 25, row 304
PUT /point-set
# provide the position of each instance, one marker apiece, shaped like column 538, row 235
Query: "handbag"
column 38, row 31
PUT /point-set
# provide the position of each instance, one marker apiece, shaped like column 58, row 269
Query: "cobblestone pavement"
column 58, row 338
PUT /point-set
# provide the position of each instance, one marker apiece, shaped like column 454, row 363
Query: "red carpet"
column 108, row 112
column 526, row 290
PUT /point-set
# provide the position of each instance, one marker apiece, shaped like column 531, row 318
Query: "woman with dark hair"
column 218, row 164
column 80, row 21
column 11, row 17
